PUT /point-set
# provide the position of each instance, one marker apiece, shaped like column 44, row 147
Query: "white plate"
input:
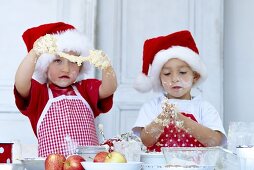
column 34, row 163
column 112, row 166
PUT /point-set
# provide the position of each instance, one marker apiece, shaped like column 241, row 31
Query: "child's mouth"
column 64, row 77
column 176, row 87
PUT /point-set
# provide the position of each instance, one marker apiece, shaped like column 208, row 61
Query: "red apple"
column 73, row 162
column 100, row 157
column 115, row 157
column 54, row 162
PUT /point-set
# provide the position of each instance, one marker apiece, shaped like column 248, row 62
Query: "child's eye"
column 166, row 73
column 183, row 72
column 57, row 61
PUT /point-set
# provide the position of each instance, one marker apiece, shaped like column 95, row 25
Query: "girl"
column 51, row 90
column 175, row 118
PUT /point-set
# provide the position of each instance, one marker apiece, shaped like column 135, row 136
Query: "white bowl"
column 152, row 158
column 112, row 166
column 34, row 163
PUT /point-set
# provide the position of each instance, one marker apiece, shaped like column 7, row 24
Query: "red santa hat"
column 68, row 38
column 157, row 51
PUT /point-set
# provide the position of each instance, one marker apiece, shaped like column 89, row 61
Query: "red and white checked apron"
column 65, row 123
column 175, row 137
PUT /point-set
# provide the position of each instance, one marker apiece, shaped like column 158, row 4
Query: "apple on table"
column 54, row 162
column 100, row 157
column 110, row 157
column 59, row 162
column 73, row 162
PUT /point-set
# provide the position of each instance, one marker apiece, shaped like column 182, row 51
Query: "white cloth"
column 203, row 111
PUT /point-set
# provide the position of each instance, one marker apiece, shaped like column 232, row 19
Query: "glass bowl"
column 152, row 158
column 89, row 152
column 33, row 163
column 166, row 167
column 192, row 157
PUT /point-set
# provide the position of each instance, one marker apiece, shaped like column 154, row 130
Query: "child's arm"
column 24, row 73
column 26, row 68
column 208, row 137
column 151, row 133
column 204, row 135
column 108, row 83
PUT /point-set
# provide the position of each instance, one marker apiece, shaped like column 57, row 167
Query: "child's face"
column 177, row 78
column 62, row 72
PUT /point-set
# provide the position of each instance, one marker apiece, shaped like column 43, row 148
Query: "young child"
column 51, row 89
column 175, row 118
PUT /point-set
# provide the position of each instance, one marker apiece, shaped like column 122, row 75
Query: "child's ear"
column 196, row 77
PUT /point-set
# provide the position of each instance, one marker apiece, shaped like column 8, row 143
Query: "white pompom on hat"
column 68, row 39
column 157, row 51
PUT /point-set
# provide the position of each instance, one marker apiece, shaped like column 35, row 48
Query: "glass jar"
column 89, row 152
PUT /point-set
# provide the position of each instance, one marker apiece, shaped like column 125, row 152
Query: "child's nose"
column 66, row 67
column 175, row 78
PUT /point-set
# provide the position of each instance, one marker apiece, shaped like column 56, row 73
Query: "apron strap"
column 50, row 92
column 84, row 100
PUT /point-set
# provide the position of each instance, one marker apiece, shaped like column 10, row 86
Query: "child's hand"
column 99, row 59
column 163, row 118
column 45, row 44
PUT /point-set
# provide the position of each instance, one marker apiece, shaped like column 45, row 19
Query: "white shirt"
column 203, row 111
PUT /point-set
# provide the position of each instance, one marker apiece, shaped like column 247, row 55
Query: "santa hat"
column 157, row 51
column 68, row 38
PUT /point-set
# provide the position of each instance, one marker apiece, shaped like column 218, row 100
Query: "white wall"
column 16, row 17
column 238, row 61
column 124, row 25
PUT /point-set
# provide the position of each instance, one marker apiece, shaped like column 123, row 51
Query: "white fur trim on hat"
column 69, row 40
column 73, row 40
column 182, row 53
column 41, row 67
column 143, row 83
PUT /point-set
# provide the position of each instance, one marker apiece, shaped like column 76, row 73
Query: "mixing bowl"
column 191, row 156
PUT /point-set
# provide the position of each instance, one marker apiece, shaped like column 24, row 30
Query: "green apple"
column 115, row 157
